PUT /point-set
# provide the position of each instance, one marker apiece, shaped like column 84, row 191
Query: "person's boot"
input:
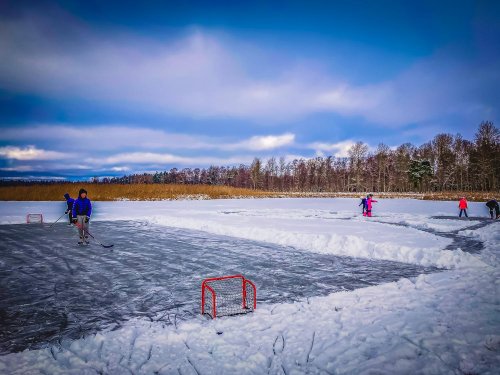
column 81, row 241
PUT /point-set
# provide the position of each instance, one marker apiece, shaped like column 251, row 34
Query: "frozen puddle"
column 51, row 289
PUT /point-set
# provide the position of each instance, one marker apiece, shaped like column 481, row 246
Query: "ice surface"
column 331, row 226
column 53, row 289
column 440, row 323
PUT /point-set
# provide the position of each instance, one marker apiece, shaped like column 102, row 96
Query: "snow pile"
column 422, row 326
column 397, row 244
column 490, row 236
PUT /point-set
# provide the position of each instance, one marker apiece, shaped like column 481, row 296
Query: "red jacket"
column 462, row 204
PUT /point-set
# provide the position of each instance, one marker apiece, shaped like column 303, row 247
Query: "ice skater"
column 69, row 209
column 462, row 205
column 82, row 210
column 363, row 202
column 369, row 203
column 493, row 206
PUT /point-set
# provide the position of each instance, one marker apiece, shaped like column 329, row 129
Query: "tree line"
column 446, row 163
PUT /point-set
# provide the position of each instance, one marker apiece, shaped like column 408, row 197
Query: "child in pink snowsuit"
column 369, row 202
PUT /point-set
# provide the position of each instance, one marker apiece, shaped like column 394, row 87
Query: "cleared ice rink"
column 53, row 289
column 413, row 289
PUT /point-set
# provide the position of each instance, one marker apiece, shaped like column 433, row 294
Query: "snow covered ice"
column 156, row 273
column 411, row 290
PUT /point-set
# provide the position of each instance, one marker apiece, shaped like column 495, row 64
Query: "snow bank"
column 421, row 248
column 332, row 226
column 490, row 236
column 419, row 326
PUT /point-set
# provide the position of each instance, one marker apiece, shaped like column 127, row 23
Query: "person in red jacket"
column 463, row 207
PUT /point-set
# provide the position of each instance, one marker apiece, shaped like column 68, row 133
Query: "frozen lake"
column 53, row 290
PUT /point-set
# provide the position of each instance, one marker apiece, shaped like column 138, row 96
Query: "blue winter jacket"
column 82, row 207
column 70, row 202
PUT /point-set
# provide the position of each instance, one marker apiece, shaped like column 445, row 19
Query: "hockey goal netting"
column 34, row 218
column 227, row 295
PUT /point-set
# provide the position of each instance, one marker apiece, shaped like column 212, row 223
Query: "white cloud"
column 30, row 153
column 291, row 157
column 339, row 149
column 116, row 137
column 139, row 158
column 19, row 168
column 125, row 149
column 158, row 159
column 102, row 137
column 269, row 142
column 120, row 169
column 266, row 142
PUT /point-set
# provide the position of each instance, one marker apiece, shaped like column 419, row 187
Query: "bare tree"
column 357, row 154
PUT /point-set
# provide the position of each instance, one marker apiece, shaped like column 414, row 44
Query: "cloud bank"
column 120, row 149
column 30, row 153
column 201, row 75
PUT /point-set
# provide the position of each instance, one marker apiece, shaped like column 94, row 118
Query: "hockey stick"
column 50, row 226
column 95, row 239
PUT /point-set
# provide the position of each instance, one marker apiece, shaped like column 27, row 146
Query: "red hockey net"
column 228, row 295
column 34, row 218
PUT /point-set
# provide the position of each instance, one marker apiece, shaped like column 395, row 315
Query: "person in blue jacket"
column 69, row 209
column 82, row 210
column 364, row 202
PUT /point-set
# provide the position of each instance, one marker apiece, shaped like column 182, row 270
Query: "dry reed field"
column 112, row 192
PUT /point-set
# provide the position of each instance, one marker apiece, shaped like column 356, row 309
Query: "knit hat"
column 81, row 191
column 66, row 196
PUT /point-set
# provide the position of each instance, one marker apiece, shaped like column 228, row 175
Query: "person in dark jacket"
column 82, row 210
column 69, row 208
column 493, row 205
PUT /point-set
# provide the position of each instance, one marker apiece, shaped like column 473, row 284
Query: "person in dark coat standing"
column 69, row 208
column 493, row 206
column 462, row 205
column 363, row 203
column 82, row 210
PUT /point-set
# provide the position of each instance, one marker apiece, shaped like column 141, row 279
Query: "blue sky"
column 107, row 88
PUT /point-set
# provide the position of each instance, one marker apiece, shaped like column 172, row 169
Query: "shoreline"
column 157, row 192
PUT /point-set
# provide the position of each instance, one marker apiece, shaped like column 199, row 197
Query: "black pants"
column 464, row 210
column 497, row 212
column 70, row 217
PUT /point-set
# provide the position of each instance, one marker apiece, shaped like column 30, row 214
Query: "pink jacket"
column 369, row 203
column 462, row 204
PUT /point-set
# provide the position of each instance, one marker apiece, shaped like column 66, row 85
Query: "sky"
column 107, row 88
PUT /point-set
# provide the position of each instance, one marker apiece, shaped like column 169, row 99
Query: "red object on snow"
column 462, row 204
column 228, row 295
